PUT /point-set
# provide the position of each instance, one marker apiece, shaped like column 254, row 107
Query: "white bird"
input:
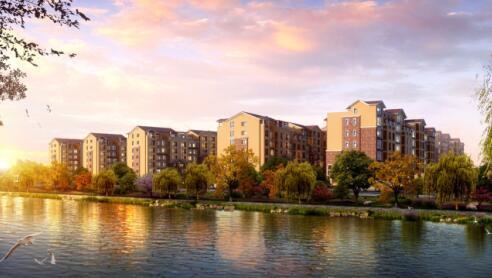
column 475, row 220
column 27, row 240
column 53, row 260
column 40, row 262
column 488, row 232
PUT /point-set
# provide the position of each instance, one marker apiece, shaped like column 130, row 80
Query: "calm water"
column 125, row 240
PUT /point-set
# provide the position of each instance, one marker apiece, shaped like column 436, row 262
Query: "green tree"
column 197, row 178
column 105, row 182
column 297, row 180
column 13, row 16
column 125, row 177
column 235, row 169
column 395, row 174
column 60, row 176
column 274, row 162
column 451, row 179
column 352, row 170
column 485, row 177
column 485, row 106
column 166, row 181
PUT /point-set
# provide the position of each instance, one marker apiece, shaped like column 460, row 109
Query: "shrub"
column 321, row 194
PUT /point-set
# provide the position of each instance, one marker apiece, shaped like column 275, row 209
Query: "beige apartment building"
column 101, row 151
column 268, row 137
column 67, row 152
column 151, row 149
column 369, row 127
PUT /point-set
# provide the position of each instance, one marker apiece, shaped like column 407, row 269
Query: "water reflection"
column 125, row 240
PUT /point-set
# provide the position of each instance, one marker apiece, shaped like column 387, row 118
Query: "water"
column 124, row 240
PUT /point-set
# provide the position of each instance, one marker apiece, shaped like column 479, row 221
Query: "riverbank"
column 446, row 216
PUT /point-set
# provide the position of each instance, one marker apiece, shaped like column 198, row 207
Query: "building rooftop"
column 67, row 140
column 158, row 129
column 109, row 135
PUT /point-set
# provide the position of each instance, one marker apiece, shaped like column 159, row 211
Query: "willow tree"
column 105, row 182
column 166, row 182
column 197, row 178
column 296, row 180
column 395, row 174
column 485, row 106
column 451, row 179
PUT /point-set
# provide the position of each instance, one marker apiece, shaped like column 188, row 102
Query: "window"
column 356, row 111
column 231, row 133
column 243, row 123
column 243, row 133
column 354, row 121
column 354, row 144
column 354, row 132
column 347, row 121
column 347, row 133
column 347, row 144
column 231, row 124
column 378, row 121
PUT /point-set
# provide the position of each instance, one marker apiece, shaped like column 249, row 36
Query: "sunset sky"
column 185, row 64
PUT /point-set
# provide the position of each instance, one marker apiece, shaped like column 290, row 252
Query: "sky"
column 186, row 63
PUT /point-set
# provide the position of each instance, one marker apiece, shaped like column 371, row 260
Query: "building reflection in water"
column 240, row 238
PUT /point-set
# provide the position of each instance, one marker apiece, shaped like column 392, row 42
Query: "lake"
column 99, row 239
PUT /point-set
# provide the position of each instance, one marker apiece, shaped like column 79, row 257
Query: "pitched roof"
column 198, row 132
column 158, row 129
column 415, row 121
column 370, row 102
column 67, row 140
column 108, row 135
column 244, row 112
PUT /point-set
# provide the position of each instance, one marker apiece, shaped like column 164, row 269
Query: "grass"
column 291, row 209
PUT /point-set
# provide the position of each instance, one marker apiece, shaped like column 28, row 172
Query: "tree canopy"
column 451, row 179
column 352, row 170
column 395, row 174
column 166, row 181
column 13, row 15
column 197, row 178
column 296, row 180
column 105, row 182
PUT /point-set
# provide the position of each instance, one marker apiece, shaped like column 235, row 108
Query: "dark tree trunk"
column 230, row 193
column 396, row 192
column 356, row 196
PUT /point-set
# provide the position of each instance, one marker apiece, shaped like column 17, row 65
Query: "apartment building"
column 369, row 127
column 67, row 152
column 101, row 151
column 418, row 135
column 207, row 143
column 456, row 146
column 268, row 137
column 430, row 145
column 151, row 149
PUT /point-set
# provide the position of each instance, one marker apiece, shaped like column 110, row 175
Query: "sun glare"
column 4, row 164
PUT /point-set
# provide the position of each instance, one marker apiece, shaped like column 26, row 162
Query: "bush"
column 424, row 203
column 321, row 194
column 341, row 192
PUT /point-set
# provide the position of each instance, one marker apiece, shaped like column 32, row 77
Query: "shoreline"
column 433, row 215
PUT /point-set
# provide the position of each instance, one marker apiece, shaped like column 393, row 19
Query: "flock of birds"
column 48, row 108
column 25, row 241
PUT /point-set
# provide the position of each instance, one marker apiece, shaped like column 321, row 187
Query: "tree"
column 166, row 181
column 61, row 178
column 297, row 180
column 105, row 182
column 274, row 162
column 485, row 177
column 14, row 14
column 481, row 194
column 394, row 174
column 144, row 183
column 451, row 179
column 483, row 95
column 82, row 179
column 270, row 184
column 197, row 178
column 126, row 177
column 7, row 181
column 352, row 170
column 235, row 169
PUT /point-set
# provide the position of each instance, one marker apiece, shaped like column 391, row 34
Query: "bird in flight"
column 52, row 259
column 27, row 113
column 488, row 232
column 27, row 240
column 48, row 107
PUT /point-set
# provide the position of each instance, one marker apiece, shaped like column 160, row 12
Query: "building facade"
column 268, row 137
column 101, row 151
column 67, row 152
column 369, row 127
column 207, row 143
column 151, row 149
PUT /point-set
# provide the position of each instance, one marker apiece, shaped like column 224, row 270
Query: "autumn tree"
column 166, row 181
column 273, row 163
column 451, row 179
column 235, row 169
column 144, row 184
column 82, row 179
column 395, row 174
column 197, row 178
column 14, row 14
column 105, row 182
column 7, row 181
column 352, row 170
column 61, row 177
column 297, row 180
column 30, row 173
